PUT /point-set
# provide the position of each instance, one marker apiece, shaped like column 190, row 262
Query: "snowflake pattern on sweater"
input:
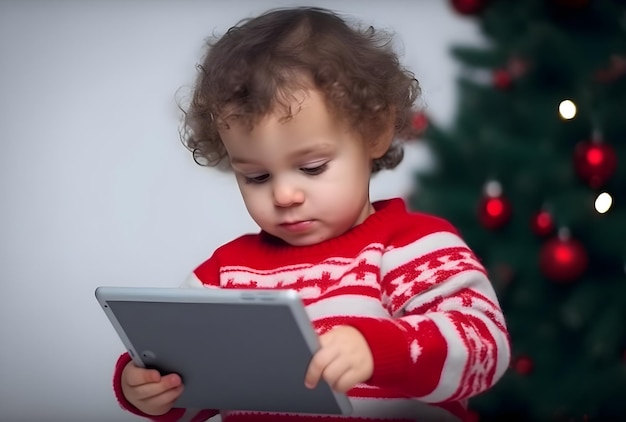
column 408, row 283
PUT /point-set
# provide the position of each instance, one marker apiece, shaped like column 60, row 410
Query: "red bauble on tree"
column 468, row 7
column 494, row 209
column 502, row 79
column 419, row 121
column 595, row 162
column 515, row 68
column 542, row 224
column 563, row 259
column 523, row 365
column 418, row 125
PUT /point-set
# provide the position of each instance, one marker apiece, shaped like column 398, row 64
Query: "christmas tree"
column 532, row 171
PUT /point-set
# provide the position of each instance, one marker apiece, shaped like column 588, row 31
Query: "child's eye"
column 262, row 178
column 314, row 171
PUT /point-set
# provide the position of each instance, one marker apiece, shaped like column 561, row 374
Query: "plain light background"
column 97, row 189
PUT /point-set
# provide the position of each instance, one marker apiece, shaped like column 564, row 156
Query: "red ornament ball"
column 563, row 259
column 502, row 79
column 542, row 224
column 523, row 365
column 494, row 212
column 468, row 7
column 595, row 162
column 419, row 122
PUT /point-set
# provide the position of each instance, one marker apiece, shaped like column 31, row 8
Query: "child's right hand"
column 148, row 391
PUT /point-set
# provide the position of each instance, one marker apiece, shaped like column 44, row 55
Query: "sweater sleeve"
column 447, row 339
column 206, row 275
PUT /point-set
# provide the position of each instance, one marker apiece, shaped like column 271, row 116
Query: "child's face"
column 304, row 180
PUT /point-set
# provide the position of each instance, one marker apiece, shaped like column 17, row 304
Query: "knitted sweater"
column 408, row 283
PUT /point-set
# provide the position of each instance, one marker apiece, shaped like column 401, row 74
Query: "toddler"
column 303, row 108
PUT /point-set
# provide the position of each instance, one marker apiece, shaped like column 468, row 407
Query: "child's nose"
column 287, row 194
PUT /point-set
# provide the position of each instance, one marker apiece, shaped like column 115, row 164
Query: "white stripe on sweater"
column 396, row 256
column 468, row 279
column 353, row 305
column 335, row 269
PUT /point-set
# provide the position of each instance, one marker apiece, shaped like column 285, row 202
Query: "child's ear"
column 380, row 145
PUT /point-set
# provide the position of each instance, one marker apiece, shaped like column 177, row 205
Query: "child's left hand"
column 343, row 360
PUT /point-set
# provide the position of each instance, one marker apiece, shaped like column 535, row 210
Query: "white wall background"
column 96, row 189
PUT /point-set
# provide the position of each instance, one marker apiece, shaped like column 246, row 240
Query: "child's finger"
column 344, row 382
column 163, row 402
column 155, row 389
column 318, row 364
column 134, row 376
column 334, row 372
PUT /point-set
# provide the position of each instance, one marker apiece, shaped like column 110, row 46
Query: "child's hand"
column 343, row 360
column 148, row 391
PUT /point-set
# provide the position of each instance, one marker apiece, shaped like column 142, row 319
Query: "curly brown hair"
column 256, row 66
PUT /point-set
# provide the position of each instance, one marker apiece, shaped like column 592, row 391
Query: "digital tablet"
column 234, row 349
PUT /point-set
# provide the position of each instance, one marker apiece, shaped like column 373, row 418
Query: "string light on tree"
column 567, row 109
column 562, row 258
column 494, row 210
column 603, row 202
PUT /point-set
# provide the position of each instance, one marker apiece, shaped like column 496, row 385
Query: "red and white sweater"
column 412, row 287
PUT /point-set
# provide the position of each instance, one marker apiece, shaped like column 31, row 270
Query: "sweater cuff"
column 171, row 416
column 389, row 348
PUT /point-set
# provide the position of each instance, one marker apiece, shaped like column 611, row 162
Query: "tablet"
column 234, row 349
